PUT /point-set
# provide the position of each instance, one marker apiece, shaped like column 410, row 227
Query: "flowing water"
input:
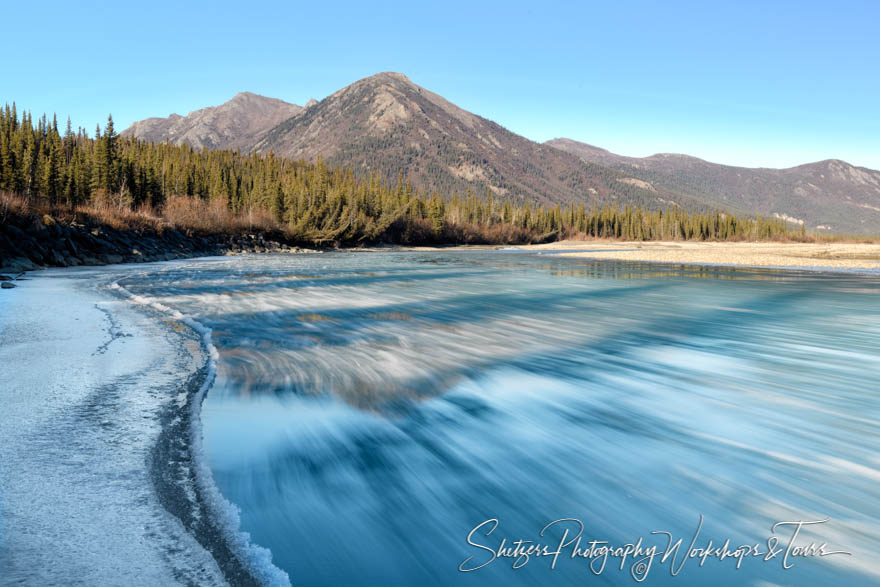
column 372, row 409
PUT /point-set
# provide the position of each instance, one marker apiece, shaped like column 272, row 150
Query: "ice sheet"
column 83, row 381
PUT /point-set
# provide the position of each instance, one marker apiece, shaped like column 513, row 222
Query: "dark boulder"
column 16, row 234
column 71, row 246
column 57, row 259
column 18, row 264
column 37, row 229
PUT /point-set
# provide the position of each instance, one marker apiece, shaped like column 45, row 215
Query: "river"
column 372, row 409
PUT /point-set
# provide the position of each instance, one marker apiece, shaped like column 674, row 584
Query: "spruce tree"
column 111, row 162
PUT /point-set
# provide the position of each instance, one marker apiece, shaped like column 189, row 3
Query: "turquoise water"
column 372, row 409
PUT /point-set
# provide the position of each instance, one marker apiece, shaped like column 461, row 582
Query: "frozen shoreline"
column 100, row 443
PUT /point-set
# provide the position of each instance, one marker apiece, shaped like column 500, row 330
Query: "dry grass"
column 215, row 216
column 496, row 234
column 12, row 205
column 180, row 212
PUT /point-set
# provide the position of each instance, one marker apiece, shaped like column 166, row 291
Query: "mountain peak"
column 390, row 76
column 234, row 124
column 375, row 106
column 250, row 99
column 386, row 79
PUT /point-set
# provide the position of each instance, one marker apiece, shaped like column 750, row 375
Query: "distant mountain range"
column 387, row 124
column 828, row 195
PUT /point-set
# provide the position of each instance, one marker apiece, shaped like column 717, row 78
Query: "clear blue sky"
column 772, row 83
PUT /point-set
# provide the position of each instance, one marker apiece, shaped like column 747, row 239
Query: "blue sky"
column 748, row 83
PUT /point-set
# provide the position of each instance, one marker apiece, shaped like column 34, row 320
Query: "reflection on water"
column 371, row 409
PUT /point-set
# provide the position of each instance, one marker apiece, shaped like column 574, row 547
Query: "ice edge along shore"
column 102, row 442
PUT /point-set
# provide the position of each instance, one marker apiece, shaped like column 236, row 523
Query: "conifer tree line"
column 312, row 201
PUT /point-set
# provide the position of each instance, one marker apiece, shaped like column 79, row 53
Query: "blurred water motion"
column 371, row 409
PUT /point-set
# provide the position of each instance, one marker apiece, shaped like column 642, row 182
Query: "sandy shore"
column 833, row 256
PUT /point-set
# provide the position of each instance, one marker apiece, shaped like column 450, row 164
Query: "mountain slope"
column 386, row 123
column 829, row 195
column 236, row 124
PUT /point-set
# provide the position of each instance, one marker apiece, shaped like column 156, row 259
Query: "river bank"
column 741, row 254
column 35, row 242
column 38, row 241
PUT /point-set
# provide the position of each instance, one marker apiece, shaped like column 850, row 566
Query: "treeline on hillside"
column 311, row 202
